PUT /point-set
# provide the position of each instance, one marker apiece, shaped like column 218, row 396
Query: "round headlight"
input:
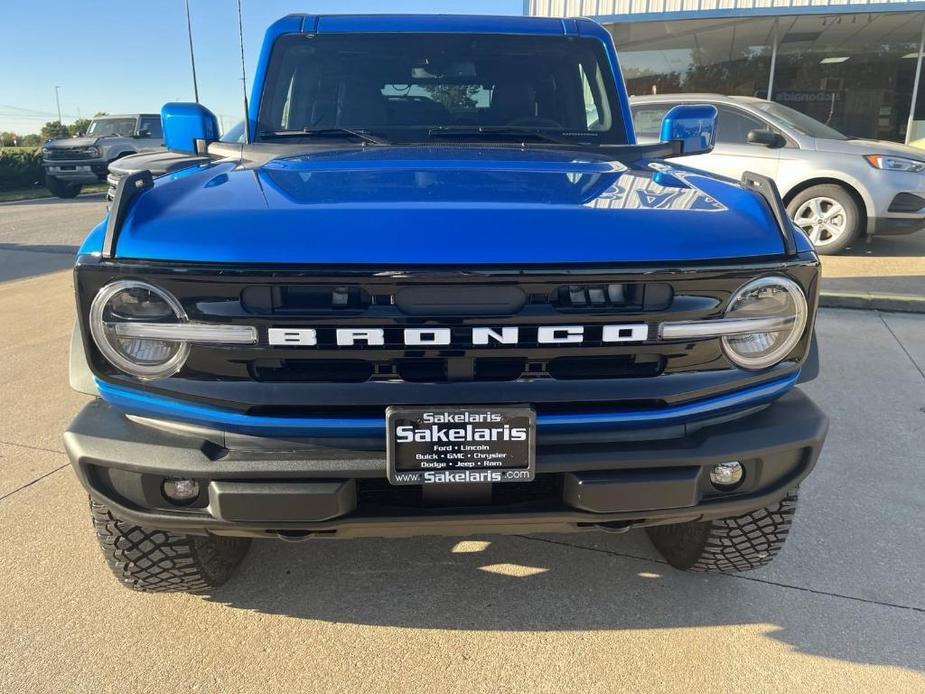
column 93, row 151
column 125, row 301
column 766, row 298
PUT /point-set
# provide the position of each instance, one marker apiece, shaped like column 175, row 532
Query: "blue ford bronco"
column 439, row 289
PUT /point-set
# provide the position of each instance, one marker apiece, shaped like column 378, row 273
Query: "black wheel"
column 62, row 189
column 829, row 215
column 157, row 561
column 729, row 544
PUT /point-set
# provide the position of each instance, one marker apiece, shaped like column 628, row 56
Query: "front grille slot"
column 460, row 300
column 499, row 369
column 652, row 296
column 305, row 300
column 576, row 368
column 312, row 370
column 422, row 370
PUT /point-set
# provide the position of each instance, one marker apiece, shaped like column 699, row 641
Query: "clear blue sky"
column 133, row 56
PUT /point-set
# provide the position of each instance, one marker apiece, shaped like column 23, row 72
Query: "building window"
column 726, row 56
column 852, row 72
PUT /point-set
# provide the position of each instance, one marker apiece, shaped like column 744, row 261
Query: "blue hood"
column 446, row 205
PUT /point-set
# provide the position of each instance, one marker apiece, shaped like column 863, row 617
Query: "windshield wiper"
column 499, row 132
column 326, row 132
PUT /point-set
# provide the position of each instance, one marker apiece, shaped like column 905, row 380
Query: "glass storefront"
column 854, row 72
column 732, row 56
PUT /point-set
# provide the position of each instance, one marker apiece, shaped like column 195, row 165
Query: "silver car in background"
column 836, row 188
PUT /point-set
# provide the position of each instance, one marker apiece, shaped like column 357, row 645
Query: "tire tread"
column 154, row 561
column 741, row 543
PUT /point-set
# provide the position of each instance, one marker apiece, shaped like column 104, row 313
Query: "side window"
column 152, row 125
column 647, row 119
column 733, row 126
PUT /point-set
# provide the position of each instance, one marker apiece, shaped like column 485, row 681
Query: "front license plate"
column 460, row 445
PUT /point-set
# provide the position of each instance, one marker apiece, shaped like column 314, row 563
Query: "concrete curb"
column 873, row 301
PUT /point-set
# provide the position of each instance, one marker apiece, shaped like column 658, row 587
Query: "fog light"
column 726, row 475
column 181, row 491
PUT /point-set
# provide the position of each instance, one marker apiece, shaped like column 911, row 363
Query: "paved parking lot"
column 842, row 610
column 885, row 264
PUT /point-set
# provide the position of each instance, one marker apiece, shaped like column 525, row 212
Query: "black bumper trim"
column 779, row 444
column 281, row 502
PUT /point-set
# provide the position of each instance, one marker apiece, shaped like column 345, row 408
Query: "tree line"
column 52, row 130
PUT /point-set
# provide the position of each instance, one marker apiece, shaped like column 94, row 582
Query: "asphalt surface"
column 841, row 610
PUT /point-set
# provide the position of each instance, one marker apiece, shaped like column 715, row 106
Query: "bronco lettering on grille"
column 418, row 337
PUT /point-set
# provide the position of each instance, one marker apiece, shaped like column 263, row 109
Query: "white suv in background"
column 836, row 188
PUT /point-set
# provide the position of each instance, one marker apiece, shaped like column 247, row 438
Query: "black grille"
column 443, row 370
column 359, row 375
column 71, row 154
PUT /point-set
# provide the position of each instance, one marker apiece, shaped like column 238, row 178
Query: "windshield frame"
column 606, row 85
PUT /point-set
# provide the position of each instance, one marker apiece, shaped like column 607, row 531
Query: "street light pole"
column 58, row 102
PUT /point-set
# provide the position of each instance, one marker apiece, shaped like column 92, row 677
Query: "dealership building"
column 853, row 64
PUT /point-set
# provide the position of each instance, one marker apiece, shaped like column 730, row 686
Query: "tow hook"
column 614, row 527
column 294, row 536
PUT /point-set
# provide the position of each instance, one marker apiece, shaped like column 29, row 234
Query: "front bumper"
column 80, row 171
column 897, row 211
column 277, row 487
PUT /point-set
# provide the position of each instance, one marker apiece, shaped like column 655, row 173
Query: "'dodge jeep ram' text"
column 438, row 288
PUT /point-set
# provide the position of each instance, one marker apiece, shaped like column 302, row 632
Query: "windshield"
column 406, row 87
column 798, row 121
column 112, row 126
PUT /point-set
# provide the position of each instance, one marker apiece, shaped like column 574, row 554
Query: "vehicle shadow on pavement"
column 21, row 260
column 556, row 583
column 85, row 199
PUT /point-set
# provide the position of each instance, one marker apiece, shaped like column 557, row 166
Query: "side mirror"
column 693, row 126
column 184, row 123
column 766, row 138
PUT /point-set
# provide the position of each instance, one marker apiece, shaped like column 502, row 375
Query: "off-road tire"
column 62, row 189
column 742, row 543
column 158, row 561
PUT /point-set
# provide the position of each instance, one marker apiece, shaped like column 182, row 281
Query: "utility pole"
column 192, row 56
column 58, row 102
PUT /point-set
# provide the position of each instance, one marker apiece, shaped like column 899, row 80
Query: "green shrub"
column 20, row 168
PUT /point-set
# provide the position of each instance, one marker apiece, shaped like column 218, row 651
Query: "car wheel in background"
column 62, row 189
column 829, row 215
